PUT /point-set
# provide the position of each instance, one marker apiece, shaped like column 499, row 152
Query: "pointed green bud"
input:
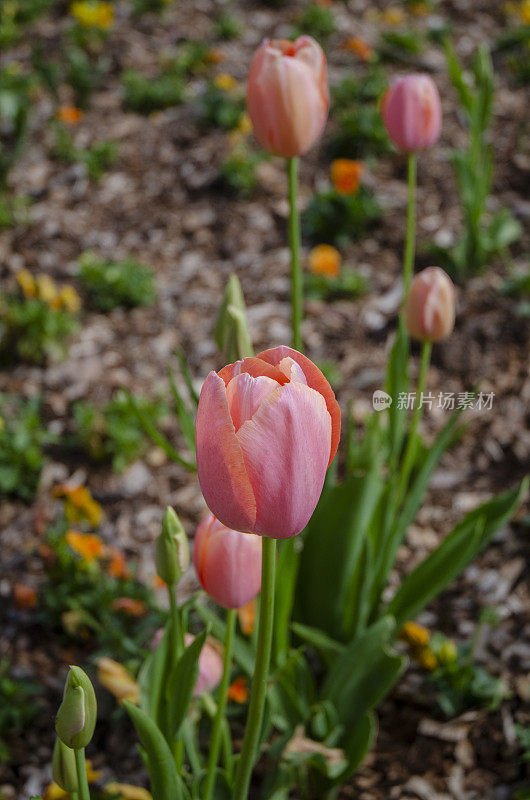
column 172, row 551
column 76, row 718
column 64, row 771
column 231, row 330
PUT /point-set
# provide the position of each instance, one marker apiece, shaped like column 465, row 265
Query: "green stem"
column 175, row 650
column 82, row 782
column 408, row 258
column 410, row 451
column 261, row 670
column 221, row 705
column 297, row 297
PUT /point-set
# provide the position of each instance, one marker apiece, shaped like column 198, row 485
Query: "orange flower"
column 25, row 597
column 238, row 691
column 87, row 545
column 356, row 45
column 27, row 283
column 118, row 565
column 215, row 56
column 325, row 260
column 134, row 608
column 70, row 115
column 247, row 617
column 79, row 505
column 415, row 635
column 346, row 175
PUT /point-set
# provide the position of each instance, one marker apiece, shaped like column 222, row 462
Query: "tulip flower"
column 430, row 306
column 287, row 95
column 210, row 667
column 76, row 717
column 267, row 429
column 228, row 563
column 412, row 112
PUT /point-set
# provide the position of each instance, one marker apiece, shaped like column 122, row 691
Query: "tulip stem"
column 82, row 782
column 408, row 259
column 215, row 740
column 261, row 671
column 297, row 297
column 412, row 443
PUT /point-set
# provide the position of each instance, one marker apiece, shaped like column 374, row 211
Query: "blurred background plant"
column 19, row 705
column 114, row 284
column 22, row 438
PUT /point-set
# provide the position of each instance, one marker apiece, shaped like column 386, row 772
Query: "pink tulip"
column 287, row 95
column 210, row 667
column 412, row 112
column 227, row 562
column 267, row 429
column 430, row 305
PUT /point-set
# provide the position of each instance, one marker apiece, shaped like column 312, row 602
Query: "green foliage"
column 15, row 100
column 400, row 45
column 518, row 286
column 111, row 284
column 340, row 218
column 113, row 433
column 484, row 235
column 352, row 91
column 513, row 46
column 18, row 706
column 361, row 133
column 315, row 21
column 16, row 14
column 146, row 95
column 79, row 598
column 238, row 171
column 349, row 284
column 32, row 330
column 97, row 157
column 83, row 73
column 222, row 108
column 22, row 436
column 227, row 26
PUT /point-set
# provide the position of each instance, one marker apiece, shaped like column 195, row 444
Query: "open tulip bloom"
column 267, row 429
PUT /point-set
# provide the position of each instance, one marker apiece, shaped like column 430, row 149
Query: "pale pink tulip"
column 430, row 305
column 210, row 667
column 412, row 112
column 287, row 95
column 227, row 562
column 267, row 429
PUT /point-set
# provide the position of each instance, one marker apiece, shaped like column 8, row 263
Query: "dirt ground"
column 161, row 204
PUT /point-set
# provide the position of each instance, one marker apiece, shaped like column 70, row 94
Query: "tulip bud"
column 412, row 112
column 172, row 552
column 210, row 666
column 287, row 95
column 231, row 331
column 76, row 718
column 430, row 305
column 228, row 563
column 64, row 771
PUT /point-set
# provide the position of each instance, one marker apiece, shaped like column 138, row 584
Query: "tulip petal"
column 316, row 380
column 287, row 471
column 220, row 465
column 253, row 367
column 244, row 395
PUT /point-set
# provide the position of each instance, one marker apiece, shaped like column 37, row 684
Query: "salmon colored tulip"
column 412, row 112
column 430, row 305
column 227, row 562
column 287, row 95
column 210, row 667
column 267, row 429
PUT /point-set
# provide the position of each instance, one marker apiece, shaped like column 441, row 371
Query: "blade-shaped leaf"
column 181, row 683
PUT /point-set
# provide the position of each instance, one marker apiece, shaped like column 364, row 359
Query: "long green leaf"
column 181, row 683
column 184, row 415
column 157, row 437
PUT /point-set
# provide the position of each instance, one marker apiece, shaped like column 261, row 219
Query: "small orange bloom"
column 238, row 691
column 118, row 565
column 356, row 45
column 25, row 597
column 130, row 606
column 215, row 56
column 247, row 617
column 70, row 115
column 87, row 545
column 79, row 505
column 346, row 175
column 158, row 583
column 325, row 260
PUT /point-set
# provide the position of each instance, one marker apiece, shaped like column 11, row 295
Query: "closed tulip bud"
column 64, row 771
column 430, row 305
column 231, row 331
column 76, row 718
column 228, row 563
column 210, row 667
column 172, row 552
column 267, row 429
column 287, row 95
column 412, row 112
